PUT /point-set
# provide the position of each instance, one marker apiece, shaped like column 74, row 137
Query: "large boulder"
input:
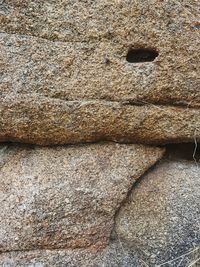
column 161, row 219
column 66, row 197
column 83, row 36
column 97, row 62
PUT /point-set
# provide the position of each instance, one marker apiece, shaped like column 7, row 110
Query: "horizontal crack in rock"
column 44, row 121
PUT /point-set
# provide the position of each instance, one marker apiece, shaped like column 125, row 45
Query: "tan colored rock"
column 77, row 51
column 94, row 20
column 67, row 197
column 98, row 69
column 161, row 219
column 41, row 120
column 114, row 255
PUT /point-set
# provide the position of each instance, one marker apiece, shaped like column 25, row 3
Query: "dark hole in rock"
column 141, row 55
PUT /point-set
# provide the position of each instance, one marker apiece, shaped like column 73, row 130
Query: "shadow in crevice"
column 188, row 151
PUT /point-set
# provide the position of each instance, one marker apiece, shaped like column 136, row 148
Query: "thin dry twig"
column 195, row 148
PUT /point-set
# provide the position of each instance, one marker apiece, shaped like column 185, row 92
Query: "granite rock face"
column 115, row 255
column 83, row 36
column 67, row 197
column 161, row 218
column 37, row 120
column 88, row 71
column 58, row 52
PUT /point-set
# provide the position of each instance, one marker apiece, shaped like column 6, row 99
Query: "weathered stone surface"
column 98, row 69
column 94, row 20
column 72, row 51
column 114, row 255
column 66, row 197
column 40, row 120
column 65, row 78
column 162, row 217
column 6, row 153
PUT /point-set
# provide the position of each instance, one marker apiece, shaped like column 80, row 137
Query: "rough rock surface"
column 55, row 52
column 99, row 70
column 96, row 32
column 35, row 119
column 114, row 255
column 66, row 197
column 161, row 219
column 6, row 153
column 85, row 71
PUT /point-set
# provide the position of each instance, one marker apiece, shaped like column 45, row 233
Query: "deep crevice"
column 187, row 151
